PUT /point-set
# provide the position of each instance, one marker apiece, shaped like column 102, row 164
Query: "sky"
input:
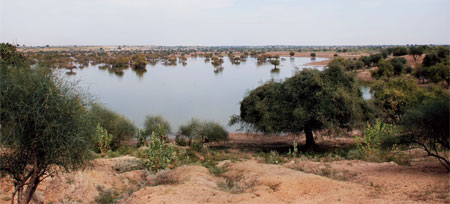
column 224, row 22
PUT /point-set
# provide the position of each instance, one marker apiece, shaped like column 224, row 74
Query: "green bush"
column 203, row 132
column 160, row 155
column 376, row 143
column 117, row 125
column 102, row 139
column 152, row 124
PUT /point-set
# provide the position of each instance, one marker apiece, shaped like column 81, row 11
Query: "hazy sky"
column 224, row 22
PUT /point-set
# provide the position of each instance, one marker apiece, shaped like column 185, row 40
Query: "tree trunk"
column 310, row 143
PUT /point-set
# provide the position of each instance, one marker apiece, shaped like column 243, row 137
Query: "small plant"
column 106, row 197
column 236, row 184
column 273, row 157
column 141, row 138
column 372, row 146
column 102, row 139
column 293, row 153
column 163, row 177
column 160, row 154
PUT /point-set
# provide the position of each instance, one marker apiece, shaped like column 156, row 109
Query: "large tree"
column 44, row 127
column 308, row 101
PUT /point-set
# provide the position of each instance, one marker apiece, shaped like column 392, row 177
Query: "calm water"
column 180, row 93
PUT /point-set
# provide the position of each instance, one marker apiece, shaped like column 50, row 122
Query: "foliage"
column 275, row 63
column 203, row 131
column 102, row 139
column 291, row 53
column 310, row 100
column 43, row 125
column 313, row 55
column 385, row 70
column 399, row 65
column 272, row 157
column 427, row 125
column 160, row 154
column 371, row 145
column 117, row 125
column 395, row 97
column 106, row 196
column 139, row 62
column 399, row 51
column 416, row 51
column 141, row 138
column 153, row 124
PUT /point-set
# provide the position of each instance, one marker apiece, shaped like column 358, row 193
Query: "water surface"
column 179, row 93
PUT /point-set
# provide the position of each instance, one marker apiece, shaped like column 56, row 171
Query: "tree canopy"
column 43, row 124
column 308, row 101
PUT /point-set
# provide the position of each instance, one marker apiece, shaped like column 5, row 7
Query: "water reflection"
column 180, row 93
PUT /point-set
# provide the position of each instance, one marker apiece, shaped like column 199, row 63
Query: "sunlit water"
column 180, row 93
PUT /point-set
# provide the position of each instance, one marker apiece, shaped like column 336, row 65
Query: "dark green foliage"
column 275, row 63
column 203, row 131
column 313, row 55
column 366, row 60
column 416, row 51
column 43, row 125
column 10, row 57
column 399, row 65
column 399, row 51
column 385, row 70
column 119, row 126
column 427, row 125
column 292, row 53
column 375, row 58
column 310, row 100
column 153, row 123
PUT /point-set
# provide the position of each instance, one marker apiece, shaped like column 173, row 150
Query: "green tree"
column 292, row 53
column 139, row 62
column 117, row 125
column 44, row 126
column 427, row 126
column 275, row 63
column 154, row 123
column 399, row 51
column 416, row 51
column 313, row 55
column 385, row 70
column 395, row 97
column 203, row 131
column 399, row 64
column 308, row 101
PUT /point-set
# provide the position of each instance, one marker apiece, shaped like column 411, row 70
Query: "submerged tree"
column 308, row 101
column 44, row 127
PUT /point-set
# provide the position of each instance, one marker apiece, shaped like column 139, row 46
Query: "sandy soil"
column 304, row 180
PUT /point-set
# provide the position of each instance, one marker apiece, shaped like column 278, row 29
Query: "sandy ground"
column 301, row 180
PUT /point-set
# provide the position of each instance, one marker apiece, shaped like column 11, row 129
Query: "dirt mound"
column 270, row 184
column 83, row 186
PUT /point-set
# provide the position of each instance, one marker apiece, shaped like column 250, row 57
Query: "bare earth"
column 298, row 181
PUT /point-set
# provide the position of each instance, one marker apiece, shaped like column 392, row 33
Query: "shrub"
column 106, row 196
column 203, row 131
column 272, row 157
column 160, row 155
column 153, row 123
column 163, row 177
column 376, row 143
column 43, row 125
column 117, row 125
column 427, row 126
column 141, row 138
column 102, row 139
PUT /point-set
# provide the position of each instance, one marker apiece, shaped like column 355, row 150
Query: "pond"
column 181, row 92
